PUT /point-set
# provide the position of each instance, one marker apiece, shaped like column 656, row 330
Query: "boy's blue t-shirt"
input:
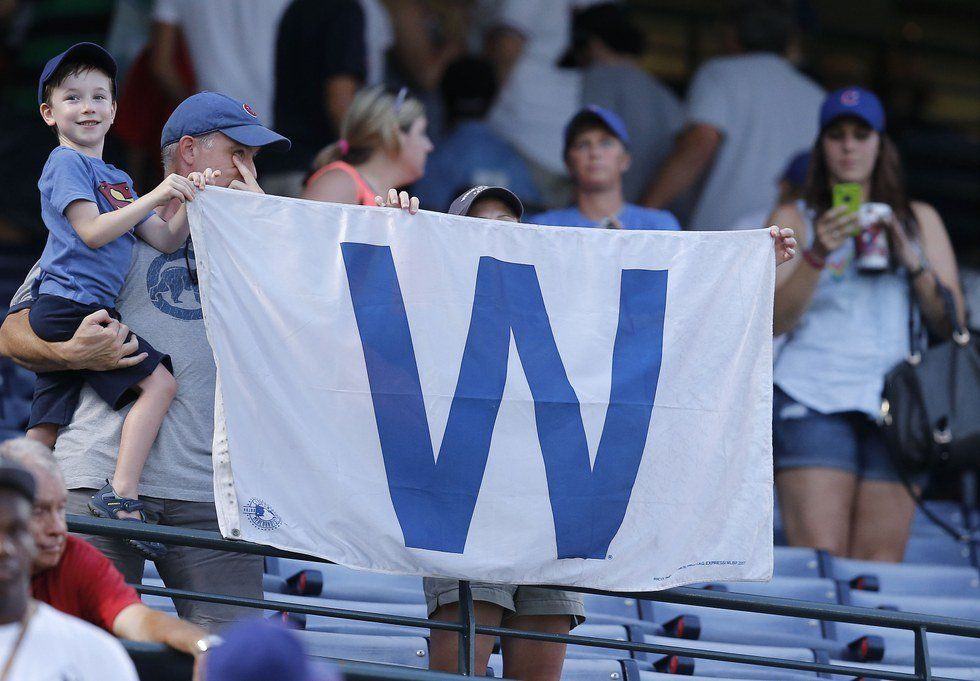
column 69, row 268
column 631, row 217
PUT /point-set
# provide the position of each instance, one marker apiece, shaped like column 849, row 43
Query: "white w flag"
column 476, row 399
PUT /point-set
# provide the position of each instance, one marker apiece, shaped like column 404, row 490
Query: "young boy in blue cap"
column 597, row 157
column 93, row 216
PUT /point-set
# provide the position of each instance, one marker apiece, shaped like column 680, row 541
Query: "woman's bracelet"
column 814, row 260
column 914, row 274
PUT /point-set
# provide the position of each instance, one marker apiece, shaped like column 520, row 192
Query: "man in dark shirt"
column 320, row 64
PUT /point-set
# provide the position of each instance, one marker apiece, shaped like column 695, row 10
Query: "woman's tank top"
column 365, row 195
column 854, row 331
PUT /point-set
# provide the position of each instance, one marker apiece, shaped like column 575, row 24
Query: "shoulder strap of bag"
column 962, row 535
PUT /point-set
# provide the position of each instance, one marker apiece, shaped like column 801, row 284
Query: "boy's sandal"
column 107, row 504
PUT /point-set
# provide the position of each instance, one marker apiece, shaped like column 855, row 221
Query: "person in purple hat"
column 94, row 216
column 160, row 299
column 597, row 157
column 847, row 325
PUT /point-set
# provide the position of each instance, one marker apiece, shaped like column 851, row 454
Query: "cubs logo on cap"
column 249, row 111
column 854, row 102
column 850, row 97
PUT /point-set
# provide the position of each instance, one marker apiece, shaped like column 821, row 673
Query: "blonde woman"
column 383, row 143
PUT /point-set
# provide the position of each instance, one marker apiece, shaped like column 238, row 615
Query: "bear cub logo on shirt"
column 118, row 194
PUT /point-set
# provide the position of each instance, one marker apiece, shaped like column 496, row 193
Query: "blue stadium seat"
column 899, row 646
column 612, row 610
column 796, row 561
column 161, row 603
column 803, row 588
column 713, row 668
column 945, row 606
column 408, row 651
column 646, row 675
column 576, row 669
column 948, row 511
column 614, row 631
column 335, row 625
column 937, row 550
column 903, row 578
column 733, row 626
column 346, row 583
column 315, row 621
column 942, row 672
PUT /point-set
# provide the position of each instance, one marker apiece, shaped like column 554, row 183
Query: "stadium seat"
column 948, row 606
column 943, row 672
column 898, row 646
column 803, row 588
column 948, row 511
column 646, row 675
column 315, row 621
column 731, row 626
column 938, row 550
column 713, row 668
column 335, row 625
column 579, row 669
column 613, row 610
column 796, row 561
column 408, row 651
column 614, row 631
column 162, row 603
column 902, row 578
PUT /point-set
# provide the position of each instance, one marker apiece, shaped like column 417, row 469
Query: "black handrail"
column 466, row 627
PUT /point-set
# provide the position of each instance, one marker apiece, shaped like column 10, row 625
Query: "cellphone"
column 849, row 195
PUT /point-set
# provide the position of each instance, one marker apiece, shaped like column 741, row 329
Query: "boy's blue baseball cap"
column 85, row 53
column 855, row 102
column 208, row 112
column 591, row 115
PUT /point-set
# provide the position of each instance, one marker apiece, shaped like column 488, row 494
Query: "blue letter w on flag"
column 434, row 499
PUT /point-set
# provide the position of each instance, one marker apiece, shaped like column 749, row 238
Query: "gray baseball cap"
column 463, row 202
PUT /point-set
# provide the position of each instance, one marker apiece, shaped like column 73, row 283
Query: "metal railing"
column 467, row 628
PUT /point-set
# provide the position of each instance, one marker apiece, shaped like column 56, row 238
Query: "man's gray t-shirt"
column 766, row 112
column 651, row 111
column 160, row 303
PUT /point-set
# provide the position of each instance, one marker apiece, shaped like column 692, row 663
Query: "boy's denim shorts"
column 55, row 319
column 848, row 441
column 515, row 600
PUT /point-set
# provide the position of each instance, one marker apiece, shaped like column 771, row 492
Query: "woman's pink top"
column 365, row 195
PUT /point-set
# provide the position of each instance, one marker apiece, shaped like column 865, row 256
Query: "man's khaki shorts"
column 515, row 600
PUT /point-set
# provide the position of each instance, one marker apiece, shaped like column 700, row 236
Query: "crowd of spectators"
column 558, row 116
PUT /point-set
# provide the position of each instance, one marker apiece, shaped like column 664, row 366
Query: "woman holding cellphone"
column 846, row 327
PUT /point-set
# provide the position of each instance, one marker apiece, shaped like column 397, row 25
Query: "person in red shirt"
column 71, row 575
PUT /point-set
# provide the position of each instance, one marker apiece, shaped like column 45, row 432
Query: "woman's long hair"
column 887, row 182
column 371, row 124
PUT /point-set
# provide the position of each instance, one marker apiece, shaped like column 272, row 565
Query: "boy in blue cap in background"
column 597, row 157
column 93, row 216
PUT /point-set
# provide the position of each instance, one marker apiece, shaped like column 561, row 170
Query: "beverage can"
column 871, row 245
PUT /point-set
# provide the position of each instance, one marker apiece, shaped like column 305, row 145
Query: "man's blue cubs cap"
column 855, row 102
column 208, row 112
column 591, row 115
column 85, row 53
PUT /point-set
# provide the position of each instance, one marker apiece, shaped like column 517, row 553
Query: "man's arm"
column 693, row 152
column 138, row 622
column 99, row 344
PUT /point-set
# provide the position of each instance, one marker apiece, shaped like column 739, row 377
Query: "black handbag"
column 930, row 407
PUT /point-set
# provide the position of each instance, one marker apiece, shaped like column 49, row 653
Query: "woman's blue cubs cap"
column 855, row 102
